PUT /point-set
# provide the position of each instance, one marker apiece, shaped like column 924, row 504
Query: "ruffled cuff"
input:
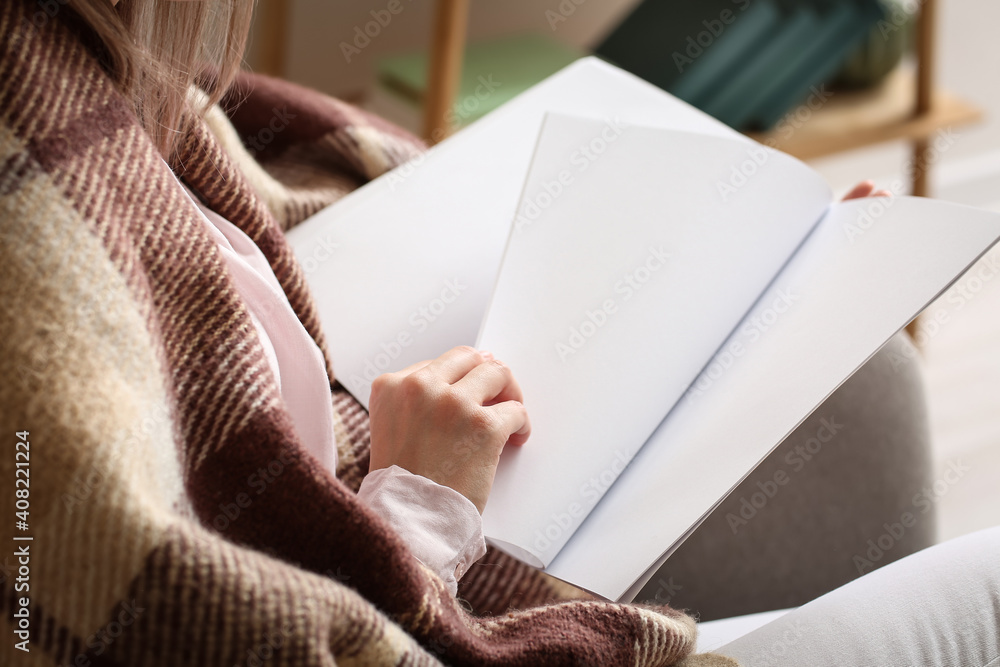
column 442, row 527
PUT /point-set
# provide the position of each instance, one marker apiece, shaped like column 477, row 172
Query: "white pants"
column 938, row 607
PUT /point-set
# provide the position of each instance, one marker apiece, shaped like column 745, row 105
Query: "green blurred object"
column 882, row 49
column 492, row 73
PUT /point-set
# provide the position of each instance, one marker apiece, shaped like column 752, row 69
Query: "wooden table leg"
column 445, row 68
column 926, row 47
column 925, row 99
column 920, row 186
column 273, row 17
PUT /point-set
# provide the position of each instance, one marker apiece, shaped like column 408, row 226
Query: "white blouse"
column 443, row 528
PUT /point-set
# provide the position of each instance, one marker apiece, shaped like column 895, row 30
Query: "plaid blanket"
column 157, row 507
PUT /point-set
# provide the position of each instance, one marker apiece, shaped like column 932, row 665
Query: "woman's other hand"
column 448, row 420
column 866, row 189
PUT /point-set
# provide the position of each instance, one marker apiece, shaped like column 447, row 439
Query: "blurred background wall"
column 317, row 27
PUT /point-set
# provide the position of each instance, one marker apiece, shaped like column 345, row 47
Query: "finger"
column 413, row 367
column 511, row 392
column 491, row 382
column 514, row 420
column 420, row 364
column 862, row 189
column 455, row 364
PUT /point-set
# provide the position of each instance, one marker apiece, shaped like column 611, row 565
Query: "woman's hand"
column 448, row 420
column 866, row 189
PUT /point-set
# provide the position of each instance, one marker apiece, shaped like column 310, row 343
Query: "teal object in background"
column 746, row 62
column 733, row 104
column 806, row 35
column 654, row 40
column 845, row 29
column 882, row 49
column 749, row 32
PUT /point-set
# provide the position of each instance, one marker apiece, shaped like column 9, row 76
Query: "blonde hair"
column 156, row 49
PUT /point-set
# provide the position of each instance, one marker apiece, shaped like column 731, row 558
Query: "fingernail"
column 488, row 356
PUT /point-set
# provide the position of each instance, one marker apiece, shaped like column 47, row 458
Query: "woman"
column 193, row 497
column 168, row 374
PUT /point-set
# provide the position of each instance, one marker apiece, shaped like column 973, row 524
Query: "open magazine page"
column 868, row 269
column 402, row 269
column 631, row 259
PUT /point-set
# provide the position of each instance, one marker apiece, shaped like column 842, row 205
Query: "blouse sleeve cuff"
column 442, row 527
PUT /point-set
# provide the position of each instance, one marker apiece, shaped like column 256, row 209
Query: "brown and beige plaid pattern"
column 175, row 518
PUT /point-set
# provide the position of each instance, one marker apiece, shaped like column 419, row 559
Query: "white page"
column 627, row 268
column 402, row 269
column 852, row 293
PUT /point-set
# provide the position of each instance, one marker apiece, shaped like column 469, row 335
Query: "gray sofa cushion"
column 800, row 525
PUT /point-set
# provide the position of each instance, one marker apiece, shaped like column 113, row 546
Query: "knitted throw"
column 174, row 518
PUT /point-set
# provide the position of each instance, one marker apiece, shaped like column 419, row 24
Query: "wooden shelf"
column 907, row 106
column 849, row 120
